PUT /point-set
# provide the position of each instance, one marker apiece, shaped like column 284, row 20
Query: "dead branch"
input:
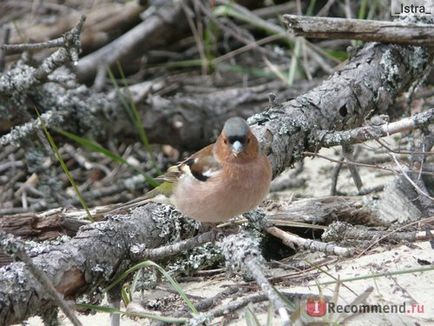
column 16, row 248
column 325, row 210
column 361, row 29
column 347, row 151
column 187, row 121
column 242, row 253
column 234, row 305
column 362, row 134
column 103, row 24
column 141, row 253
column 290, row 240
column 183, row 127
column 191, row 121
column 285, row 130
column 341, row 232
column 165, row 20
column 78, row 266
column 11, row 48
column 12, row 83
column 36, row 227
column 341, row 102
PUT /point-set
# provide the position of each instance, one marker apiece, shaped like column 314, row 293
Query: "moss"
column 171, row 224
column 207, row 255
column 392, row 76
column 237, row 247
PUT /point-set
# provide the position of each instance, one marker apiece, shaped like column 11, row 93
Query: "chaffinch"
column 222, row 180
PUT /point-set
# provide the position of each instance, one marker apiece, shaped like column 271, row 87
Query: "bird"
column 224, row 179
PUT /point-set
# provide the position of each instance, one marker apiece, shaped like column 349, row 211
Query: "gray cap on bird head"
column 235, row 127
column 236, row 130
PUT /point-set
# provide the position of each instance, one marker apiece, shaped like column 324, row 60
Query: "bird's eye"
column 226, row 141
column 248, row 140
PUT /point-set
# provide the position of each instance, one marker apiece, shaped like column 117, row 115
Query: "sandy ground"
column 414, row 289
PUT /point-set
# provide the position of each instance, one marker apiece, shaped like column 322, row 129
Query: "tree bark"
column 369, row 81
column 361, row 29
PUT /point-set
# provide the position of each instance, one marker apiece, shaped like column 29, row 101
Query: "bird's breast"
column 236, row 189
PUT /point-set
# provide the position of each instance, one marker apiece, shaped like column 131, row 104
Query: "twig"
column 404, row 173
column 158, row 21
column 67, row 53
column 16, row 248
column 235, row 305
column 249, row 43
column 114, row 299
column 205, row 304
column 246, row 47
column 196, row 35
column 325, row 10
column 372, row 166
column 290, row 239
column 242, row 253
column 291, row 180
column 254, row 267
column 174, row 249
column 358, row 29
column 50, row 118
column 423, row 221
column 418, row 161
column 360, row 299
column 335, row 176
column 362, row 134
column 339, row 231
column 3, row 41
column 17, row 48
column 347, row 151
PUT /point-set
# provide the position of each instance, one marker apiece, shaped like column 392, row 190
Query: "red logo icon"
column 316, row 307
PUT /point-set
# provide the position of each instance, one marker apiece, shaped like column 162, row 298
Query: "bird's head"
column 237, row 141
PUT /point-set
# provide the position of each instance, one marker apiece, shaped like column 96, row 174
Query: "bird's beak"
column 237, row 148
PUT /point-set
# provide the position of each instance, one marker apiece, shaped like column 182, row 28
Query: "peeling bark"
column 361, row 29
column 370, row 81
column 88, row 261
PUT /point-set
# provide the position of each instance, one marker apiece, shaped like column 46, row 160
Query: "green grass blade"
column 64, row 167
column 362, row 9
column 149, row 263
column 294, row 61
column 92, row 146
column 366, row 277
column 236, row 11
column 121, row 97
column 95, row 147
column 310, row 8
column 270, row 315
column 251, row 319
column 133, row 113
column 126, row 296
column 132, row 314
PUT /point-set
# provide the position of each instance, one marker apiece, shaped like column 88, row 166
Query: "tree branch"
column 370, row 81
column 359, row 135
column 361, row 29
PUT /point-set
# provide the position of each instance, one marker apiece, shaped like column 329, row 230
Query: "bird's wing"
column 201, row 165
